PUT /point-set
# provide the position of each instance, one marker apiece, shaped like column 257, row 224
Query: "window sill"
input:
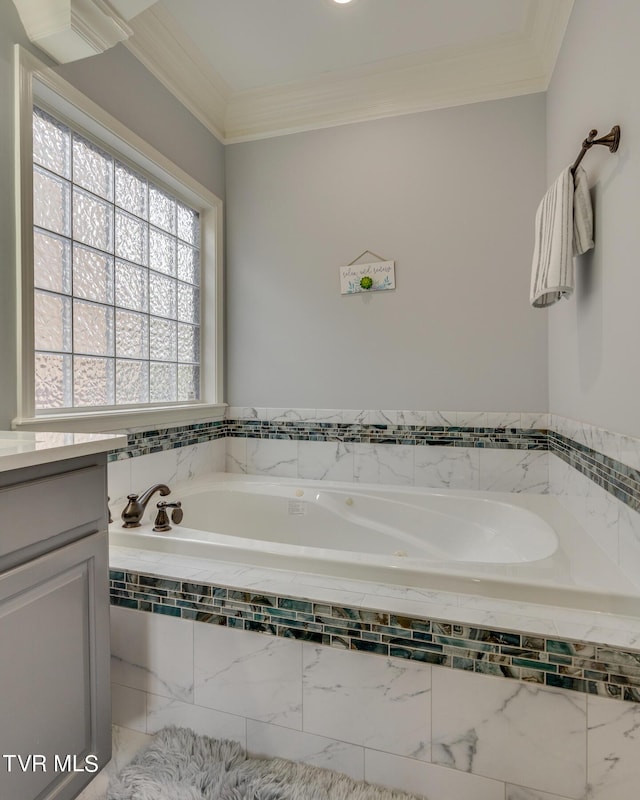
column 126, row 419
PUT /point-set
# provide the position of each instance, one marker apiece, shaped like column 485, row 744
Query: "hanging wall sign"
column 373, row 277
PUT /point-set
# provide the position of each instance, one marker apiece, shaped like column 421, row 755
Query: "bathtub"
column 502, row 545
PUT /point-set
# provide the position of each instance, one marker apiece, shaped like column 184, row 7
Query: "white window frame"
column 37, row 83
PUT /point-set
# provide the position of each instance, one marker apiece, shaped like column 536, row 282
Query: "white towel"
column 564, row 228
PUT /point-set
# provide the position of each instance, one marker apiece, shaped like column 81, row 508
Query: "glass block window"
column 116, row 279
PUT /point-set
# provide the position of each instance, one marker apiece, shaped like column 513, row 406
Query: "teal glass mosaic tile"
column 574, row 665
column 620, row 480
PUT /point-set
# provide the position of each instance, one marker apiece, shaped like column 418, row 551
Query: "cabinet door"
column 54, row 672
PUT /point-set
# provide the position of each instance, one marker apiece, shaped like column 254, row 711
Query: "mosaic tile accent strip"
column 444, row 436
column 620, row 480
column 154, row 441
column 578, row 666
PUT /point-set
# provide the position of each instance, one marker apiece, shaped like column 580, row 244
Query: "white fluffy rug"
column 180, row 765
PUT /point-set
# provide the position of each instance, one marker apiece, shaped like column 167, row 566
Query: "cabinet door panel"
column 36, row 510
column 54, row 698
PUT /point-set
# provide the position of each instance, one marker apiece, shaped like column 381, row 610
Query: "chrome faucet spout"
column 135, row 508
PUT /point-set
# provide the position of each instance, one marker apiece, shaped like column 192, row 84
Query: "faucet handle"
column 162, row 520
column 177, row 514
column 132, row 513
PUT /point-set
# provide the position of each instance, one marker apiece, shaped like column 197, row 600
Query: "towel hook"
column 611, row 140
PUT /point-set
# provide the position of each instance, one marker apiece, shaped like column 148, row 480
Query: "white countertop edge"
column 19, row 449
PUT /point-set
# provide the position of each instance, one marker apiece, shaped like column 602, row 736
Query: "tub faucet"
column 135, row 508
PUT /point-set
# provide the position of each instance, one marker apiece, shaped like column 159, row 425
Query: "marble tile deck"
column 584, row 651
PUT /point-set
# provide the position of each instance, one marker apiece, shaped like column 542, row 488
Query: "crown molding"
column 505, row 66
column 68, row 30
column 173, row 58
column 446, row 77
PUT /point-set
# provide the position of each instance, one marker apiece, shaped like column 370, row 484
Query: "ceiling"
column 248, row 69
column 254, row 44
column 254, row 68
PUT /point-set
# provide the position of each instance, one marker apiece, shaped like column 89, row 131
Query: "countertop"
column 26, row 449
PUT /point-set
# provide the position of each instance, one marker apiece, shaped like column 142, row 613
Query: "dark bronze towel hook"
column 611, row 140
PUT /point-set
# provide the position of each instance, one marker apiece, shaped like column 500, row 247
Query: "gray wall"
column 450, row 195
column 593, row 338
column 121, row 85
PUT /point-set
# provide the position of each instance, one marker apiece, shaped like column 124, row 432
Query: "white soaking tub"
column 502, row 545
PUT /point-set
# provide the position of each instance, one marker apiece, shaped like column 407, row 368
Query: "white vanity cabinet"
column 55, row 709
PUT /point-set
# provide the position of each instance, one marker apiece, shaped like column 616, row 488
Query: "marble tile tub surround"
column 595, row 472
column 476, row 611
column 409, row 725
column 454, row 449
column 611, row 724
column 580, row 666
column 165, row 465
column 316, row 448
column 434, row 449
column 484, row 450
